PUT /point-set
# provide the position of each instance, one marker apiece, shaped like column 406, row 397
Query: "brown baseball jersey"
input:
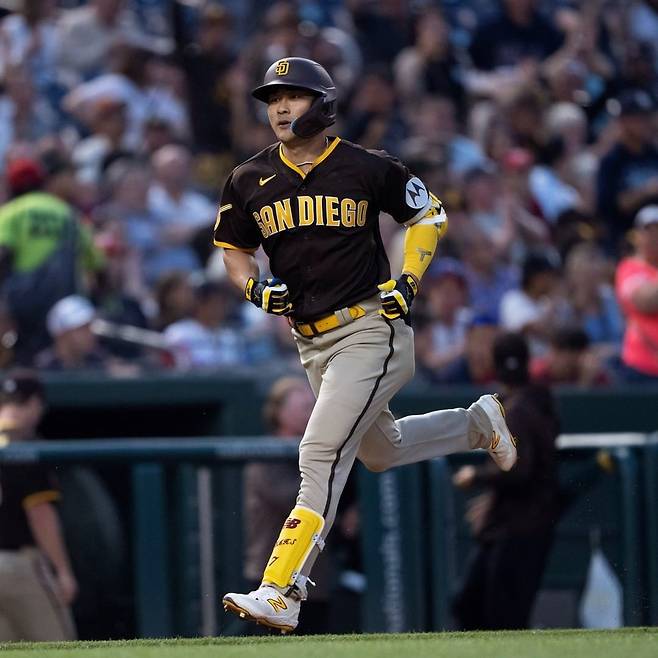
column 22, row 486
column 319, row 230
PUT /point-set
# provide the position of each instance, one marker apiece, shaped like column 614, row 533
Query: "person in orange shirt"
column 636, row 285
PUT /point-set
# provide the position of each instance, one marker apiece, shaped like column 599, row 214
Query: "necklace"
column 310, row 162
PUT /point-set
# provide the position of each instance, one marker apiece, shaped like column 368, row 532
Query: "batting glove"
column 271, row 295
column 397, row 297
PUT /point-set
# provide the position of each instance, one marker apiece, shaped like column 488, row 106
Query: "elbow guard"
column 423, row 234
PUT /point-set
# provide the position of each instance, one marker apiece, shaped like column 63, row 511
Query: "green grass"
column 625, row 643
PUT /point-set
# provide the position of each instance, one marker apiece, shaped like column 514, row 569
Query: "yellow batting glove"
column 397, row 297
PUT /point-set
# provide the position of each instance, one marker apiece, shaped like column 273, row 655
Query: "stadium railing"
column 187, row 545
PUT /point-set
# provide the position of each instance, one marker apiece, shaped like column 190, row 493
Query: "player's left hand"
column 397, row 297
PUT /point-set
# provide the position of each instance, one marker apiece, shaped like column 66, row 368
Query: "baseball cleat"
column 501, row 445
column 265, row 606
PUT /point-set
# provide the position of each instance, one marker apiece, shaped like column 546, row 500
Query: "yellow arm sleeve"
column 421, row 239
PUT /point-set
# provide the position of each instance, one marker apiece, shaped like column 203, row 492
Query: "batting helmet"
column 303, row 74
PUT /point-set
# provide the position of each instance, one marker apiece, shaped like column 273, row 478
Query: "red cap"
column 24, row 175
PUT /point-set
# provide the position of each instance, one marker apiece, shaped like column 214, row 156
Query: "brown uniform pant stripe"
column 358, row 420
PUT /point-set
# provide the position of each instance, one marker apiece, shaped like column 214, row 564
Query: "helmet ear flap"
column 319, row 116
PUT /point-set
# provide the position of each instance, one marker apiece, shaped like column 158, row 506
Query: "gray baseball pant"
column 354, row 371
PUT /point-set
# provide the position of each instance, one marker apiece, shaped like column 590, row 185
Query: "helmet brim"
column 263, row 92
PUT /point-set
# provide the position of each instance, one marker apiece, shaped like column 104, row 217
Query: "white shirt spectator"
column 192, row 209
column 517, row 309
column 83, row 42
column 18, row 38
column 141, row 104
column 196, row 347
column 553, row 195
column 446, row 337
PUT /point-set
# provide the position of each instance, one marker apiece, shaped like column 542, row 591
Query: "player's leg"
column 514, row 577
column 390, row 443
column 37, row 614
column 360, row 371
column 468, row 603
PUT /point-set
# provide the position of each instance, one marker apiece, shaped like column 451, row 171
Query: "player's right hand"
column 271, row 295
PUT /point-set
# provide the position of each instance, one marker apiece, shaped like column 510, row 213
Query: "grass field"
column 625, row 643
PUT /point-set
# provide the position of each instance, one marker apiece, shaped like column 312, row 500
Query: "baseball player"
column 312, row 201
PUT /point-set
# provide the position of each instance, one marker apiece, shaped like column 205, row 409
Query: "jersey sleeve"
column 34, row 485
column 234, row 227
column 402, row 195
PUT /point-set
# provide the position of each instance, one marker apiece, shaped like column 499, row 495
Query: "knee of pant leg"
column 373, row 464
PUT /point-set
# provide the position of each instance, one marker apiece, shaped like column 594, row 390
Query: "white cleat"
column 502, row 445
column 266, row 606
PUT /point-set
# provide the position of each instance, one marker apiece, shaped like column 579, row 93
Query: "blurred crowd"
column 534, row 121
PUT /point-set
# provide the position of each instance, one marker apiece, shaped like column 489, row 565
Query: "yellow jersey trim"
column 39, row 498
column 228, row 245
column 323, row 156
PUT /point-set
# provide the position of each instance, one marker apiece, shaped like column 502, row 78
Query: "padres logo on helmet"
column 282, row 67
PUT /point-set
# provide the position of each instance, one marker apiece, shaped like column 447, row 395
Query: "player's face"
column 283, row 107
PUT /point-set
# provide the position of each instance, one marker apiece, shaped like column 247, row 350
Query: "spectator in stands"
column 508, row 48
column 107, row 124
column 430, row 66
column 205, row 341
column 569, row 360
column 441, row 342
column 131, row 81
column 381, row 29
column 86, row 35
column 435, row 138
column 643, row 23
column 374, row 118
column 75, row 347
column 487, row 212
column 537, row 307
column 475, row 366
column 582, row 57
column 513, row 520
column 27, row 39
column 523, row 109
column 286, row 412
column 174, row 298
column 127, row 215
column 494, row 205
column 488, row 276
column 25, row 115
column 44, row 253
column 120, row 295
column 37, row 583
column 206, row 59
column 591, row 298
column 182, row 212
column 628, row 175
column 639, row 69
column 637, row 290
column 576, row 163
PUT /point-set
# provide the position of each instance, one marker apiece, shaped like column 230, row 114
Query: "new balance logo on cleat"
column 278, row 604
column 265, row 606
